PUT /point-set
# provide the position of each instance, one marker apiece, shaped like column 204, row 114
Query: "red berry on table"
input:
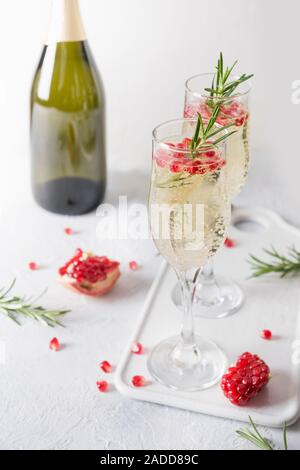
column 102, row 386
column 106, row 367
column 245, row 379
column 69, row 231
column 33, row 266
column 54, row 345
column 266, row 334
column 133, row 265
column 137, row 348
column 229, row 243
column 138, row 381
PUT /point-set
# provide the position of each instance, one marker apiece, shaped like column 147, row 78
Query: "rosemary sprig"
column 204, row 133
column 254, row 436
column 221, row 87
column 13, row 306
column 279, row 264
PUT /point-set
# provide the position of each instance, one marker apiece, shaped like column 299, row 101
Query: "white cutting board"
column 271, row 303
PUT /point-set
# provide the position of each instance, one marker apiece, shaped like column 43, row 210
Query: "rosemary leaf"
column 220, row 86
column 278, row 264
column 14, row 307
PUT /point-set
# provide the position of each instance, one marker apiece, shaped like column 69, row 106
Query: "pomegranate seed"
column 266, row 334
column 33, row 266
column 133, row 265
column 106, row 367
column 139, row 381
column 54, row 345
column 229, row 243
column 69, row 231
column 174, row 168
column 239, row 122
column 137, row 348
column 102, row 386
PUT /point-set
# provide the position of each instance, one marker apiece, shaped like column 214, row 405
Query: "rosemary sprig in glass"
column 254, row 436
column 202, row 139
column 279, row 264
column 13, row 307
column 205, row 131
column 222, row 86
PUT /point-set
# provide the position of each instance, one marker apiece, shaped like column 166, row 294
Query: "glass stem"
column 186, row 353
column 208, row 290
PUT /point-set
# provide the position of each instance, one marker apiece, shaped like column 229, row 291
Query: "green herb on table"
column 288, row 265
column 255, row 437
column 15, row 307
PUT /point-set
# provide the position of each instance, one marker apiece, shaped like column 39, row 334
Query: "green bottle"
column 67, row 129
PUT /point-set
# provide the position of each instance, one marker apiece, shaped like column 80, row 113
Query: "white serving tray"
column 270, row 303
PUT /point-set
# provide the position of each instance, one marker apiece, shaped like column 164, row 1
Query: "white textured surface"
column 271, row 303
column 50, row 400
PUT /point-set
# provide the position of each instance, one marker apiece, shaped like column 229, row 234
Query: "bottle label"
column 66, row 23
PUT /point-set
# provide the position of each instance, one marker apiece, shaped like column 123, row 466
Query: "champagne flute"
column 189, row 214
column 218, row 297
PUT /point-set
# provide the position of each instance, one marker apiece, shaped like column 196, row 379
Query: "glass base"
column 167, row 367
column 227, row 299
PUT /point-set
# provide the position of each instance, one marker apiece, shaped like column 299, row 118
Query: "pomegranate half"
column 89, row 274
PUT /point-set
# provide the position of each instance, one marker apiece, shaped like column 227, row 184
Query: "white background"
column 145, row 50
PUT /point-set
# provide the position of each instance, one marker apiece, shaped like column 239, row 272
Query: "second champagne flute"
column 218, row 297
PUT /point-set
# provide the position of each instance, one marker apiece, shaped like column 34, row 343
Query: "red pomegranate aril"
column 106, row 367
column 54, row 345
column 239, row 122
column 175, row 168
column 161, row 163
column 186, row 142
column 246, row 379
column 210, row 154
column 139, row 381
column 133, row 265
column 212, row 167
column 229, row 243
column 69, row 231
column 193, row 169
column 266, row 334
column 102, row 386
column 137, row 348
column 33, row 266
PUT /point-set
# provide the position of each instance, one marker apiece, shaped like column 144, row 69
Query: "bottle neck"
column 66, row 23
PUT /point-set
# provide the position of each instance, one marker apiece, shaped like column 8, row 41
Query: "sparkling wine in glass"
column 234, row 110
column 218, row 297
column 189, row 214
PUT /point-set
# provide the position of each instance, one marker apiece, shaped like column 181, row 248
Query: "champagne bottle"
column 67, row 119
